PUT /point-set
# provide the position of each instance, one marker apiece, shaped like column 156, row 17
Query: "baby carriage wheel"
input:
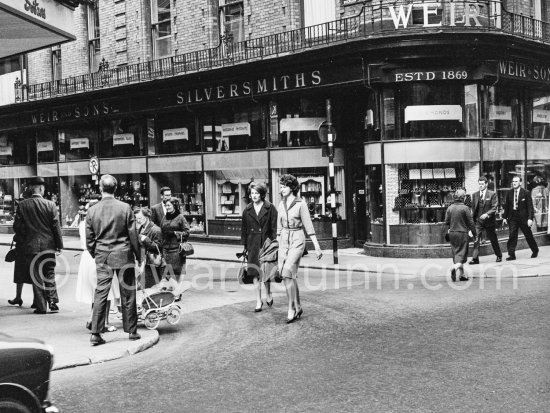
column 173, row 316
column 151, row 320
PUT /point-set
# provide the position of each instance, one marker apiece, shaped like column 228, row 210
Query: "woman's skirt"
column 22, row 269
column 459, row 246
column 291, row 247
column 175, row 264
column 86, row 281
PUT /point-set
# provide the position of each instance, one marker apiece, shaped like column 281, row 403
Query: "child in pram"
column 160, row 303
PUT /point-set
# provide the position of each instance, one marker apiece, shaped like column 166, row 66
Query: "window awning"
column 27, row 25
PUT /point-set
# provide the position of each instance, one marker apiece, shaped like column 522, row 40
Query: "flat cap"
column 36, row 180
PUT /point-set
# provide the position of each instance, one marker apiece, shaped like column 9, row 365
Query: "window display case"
column 132, row 189
column 76, row 192
column 312, row 191
column 231, row 197
column 7, row 209
column 192, row 206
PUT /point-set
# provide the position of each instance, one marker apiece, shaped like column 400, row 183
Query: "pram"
column 159, row 303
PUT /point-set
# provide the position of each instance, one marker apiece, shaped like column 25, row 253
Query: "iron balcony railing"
column 376, row 18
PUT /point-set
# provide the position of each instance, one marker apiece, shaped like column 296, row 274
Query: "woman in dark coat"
column 21, row 274
column 150, row 240
column 175, row 229
column 259, row 222
column 461, row 225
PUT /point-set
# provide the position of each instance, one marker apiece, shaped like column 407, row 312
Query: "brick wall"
column 40, row 66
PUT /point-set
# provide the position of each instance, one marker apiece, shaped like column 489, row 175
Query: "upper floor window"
column 161, row 28
column 232, row 19
column 94, row 45
column 56, row 63
column 319, row 11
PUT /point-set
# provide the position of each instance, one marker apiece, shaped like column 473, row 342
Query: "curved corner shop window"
column 435, row 111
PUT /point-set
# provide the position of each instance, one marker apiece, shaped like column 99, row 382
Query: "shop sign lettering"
column 44, row 146
column 541, row 116
column 466, row 14
column 34, row 8
column 5, row 150
column 235, row 129
column 76, row 112
column 249, row 87
column 497, row 112
column 175, row 134
column 418, row 76
column 433, row 112
column 123, row 139
column 523, row 70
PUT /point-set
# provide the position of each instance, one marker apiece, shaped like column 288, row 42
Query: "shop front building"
column 420, row 111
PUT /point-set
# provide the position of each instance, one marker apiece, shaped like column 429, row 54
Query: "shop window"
column 238, row 129
column 232, row 20
column 46, row 146
column 176, row 133
column 123, row 138
column 132, row 189
column 425, row 191
column 76, row 192
column 161, row 28
column 188, row 187
column 7, row 201
column 77, row 143
column 388, row 114
column 16, row 148
column 299, row 121
column 501, row 112
column 432, row 110
column 500, row 175
column 538, row 176
column 374, row 197
column 540, row 120
column 94, row 43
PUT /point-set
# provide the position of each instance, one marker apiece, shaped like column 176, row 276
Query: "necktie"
column 482, row 197
column 515, row 199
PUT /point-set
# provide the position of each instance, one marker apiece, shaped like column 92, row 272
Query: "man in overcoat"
column 484, row 208
column 519, row 213
column 38, row 235
column 111, row 238
column 158, row 211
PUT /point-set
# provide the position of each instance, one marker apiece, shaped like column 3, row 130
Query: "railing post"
column 172, row 64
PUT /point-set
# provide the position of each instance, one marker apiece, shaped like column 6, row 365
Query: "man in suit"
column 484, row 208
column 111, row 238
column 519, row 212
column 158, row 211
column 39, row 237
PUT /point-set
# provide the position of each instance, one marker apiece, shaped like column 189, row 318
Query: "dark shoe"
column 453, row 275
column 474, row 261
column 291, row 320
column 533, row 255
column 16, row 301
column 33, row 305
column 96, row 340
column 257, row 310
column 499, row 259
column 37, row 311
column 463, row 278
column 134, row 336
column 511, row 258
column 54, row 308
column 269, row 303
column 89, row 325
column 299, row 313
column 178, row 298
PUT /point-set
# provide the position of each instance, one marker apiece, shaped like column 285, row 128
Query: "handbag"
column 185, row 247
column 155, row 259
column 10, row 256
column 243, row 272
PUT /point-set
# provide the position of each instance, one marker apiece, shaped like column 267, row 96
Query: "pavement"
column 208, row 287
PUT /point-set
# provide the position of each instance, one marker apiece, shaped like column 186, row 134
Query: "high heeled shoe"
column 257, row 310
column 291, row 320
column 299, row 313
column 269, row 303
column 16, row 301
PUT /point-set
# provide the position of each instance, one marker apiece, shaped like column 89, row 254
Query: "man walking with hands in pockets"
column 111, row 238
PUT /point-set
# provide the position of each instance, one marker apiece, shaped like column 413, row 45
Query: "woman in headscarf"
column 175, row 229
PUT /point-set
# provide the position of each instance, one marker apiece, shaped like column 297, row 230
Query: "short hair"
column 291, row 182
column 175, row 202
column 108, row 183
column 482, row 179
column 460, row 194
column 519, row 177
column 164, row 189
column 259, row 188
column 146, row 212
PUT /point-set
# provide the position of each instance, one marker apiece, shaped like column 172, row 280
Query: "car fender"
column 21, row 393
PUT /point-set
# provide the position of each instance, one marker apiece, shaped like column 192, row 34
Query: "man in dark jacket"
column 38, row 235
column 111, row 238
column 484, row 208
column 158, row 211
column 519, row 212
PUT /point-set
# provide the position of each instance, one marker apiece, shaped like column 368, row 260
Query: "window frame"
column 223, row 7
column 155, row 29
column 94, row 37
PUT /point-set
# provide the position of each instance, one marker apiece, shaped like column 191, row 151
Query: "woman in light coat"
column 293, row 218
